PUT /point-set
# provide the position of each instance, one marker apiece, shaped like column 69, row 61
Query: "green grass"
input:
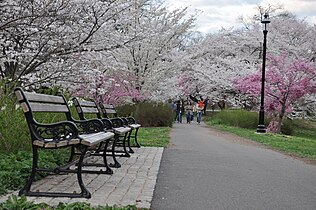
column 303, row 128
column 16, row 203
column 154, row 136
column 295, row 145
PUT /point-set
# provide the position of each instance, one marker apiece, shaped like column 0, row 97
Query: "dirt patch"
column 240, row 140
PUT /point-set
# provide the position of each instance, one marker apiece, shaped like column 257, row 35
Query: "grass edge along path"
column 295, row 146
column 15, row 203
column 154, row 136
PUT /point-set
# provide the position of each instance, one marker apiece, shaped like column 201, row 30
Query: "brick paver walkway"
column 132, row 184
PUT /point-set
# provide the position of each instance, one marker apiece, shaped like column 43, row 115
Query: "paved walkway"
column 203, row 169
column 132, row 184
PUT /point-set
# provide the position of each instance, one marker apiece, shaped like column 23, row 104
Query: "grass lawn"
column 295, row 145
column 154, row 136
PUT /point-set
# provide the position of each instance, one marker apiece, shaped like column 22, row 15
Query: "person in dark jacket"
column 179, row 111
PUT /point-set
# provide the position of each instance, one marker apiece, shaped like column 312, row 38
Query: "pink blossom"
column 113, row 89
column 287, row 81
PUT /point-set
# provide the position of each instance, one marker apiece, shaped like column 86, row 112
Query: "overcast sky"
column 224, row 13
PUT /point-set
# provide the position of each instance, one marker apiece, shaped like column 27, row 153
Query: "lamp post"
column 261, row 127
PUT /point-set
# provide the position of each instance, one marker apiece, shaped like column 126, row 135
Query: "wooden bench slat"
column 121, row 130
column 95, row 138
column 110, row 111
column 55, row 144
column 134, row 126
column 87, row 103
column 108, row 106
column 91, row 110
column 42, row 107
column 44, row 98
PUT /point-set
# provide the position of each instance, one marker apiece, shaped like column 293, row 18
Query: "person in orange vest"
column 199, row 108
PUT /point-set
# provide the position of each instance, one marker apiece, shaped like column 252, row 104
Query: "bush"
column 245, row 119
column 287, row 127
column 14, row 135
column 302, row 128
column 238, row 118
column 149, row 114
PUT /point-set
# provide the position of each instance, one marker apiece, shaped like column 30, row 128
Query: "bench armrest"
column 89, row 126
column 117, row 122
column 107, row 123
column 131, row 120
column 56, row 132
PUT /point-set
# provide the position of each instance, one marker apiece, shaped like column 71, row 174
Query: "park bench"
column 78, row 135
column 109, row 110
column 87, row 108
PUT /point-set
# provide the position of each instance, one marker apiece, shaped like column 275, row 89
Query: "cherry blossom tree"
column 115, row 88
column 39, row 38
column 287, row 81
column 220, row 57
column 152, row 57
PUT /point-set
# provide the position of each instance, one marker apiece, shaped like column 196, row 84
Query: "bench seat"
column 121, row 130
column 85, row 139
column 134, row 126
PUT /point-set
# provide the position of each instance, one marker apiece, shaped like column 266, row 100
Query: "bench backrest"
column 90, row 107
column 108, row 110
column 86, row 107
column 35, row 102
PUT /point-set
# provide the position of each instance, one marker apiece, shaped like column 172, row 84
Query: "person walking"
column 199, row 108
column 179, row 111
column 188, row 111
column 193, row 111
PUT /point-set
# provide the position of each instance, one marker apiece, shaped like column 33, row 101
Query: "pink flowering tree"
column 114, row 88
column 287, row 81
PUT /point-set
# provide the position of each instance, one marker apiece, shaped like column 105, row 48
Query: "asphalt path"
column 202, row 169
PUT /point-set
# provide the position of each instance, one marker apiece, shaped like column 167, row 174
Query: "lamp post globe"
column 261, row 127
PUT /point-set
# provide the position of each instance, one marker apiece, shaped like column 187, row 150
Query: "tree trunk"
column 280, row 119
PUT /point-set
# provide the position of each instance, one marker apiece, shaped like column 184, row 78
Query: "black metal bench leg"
column 106, row 165
column 124, row 146
column 26, row 189
column 116, row 164
column 72, row 154
column 84, row 192
column 100, row 146
column 129, row 141
column 135, row 136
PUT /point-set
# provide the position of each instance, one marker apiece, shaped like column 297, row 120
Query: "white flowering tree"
column 40, row 40
column 223, row 56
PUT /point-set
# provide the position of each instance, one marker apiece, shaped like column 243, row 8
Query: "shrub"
column 287, row 127
column 14, row 134
column 249, row 120
column 149, row 114
column 304, row 128
column 238, row 118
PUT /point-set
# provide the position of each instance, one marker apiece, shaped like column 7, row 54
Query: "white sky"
column 224, row 13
